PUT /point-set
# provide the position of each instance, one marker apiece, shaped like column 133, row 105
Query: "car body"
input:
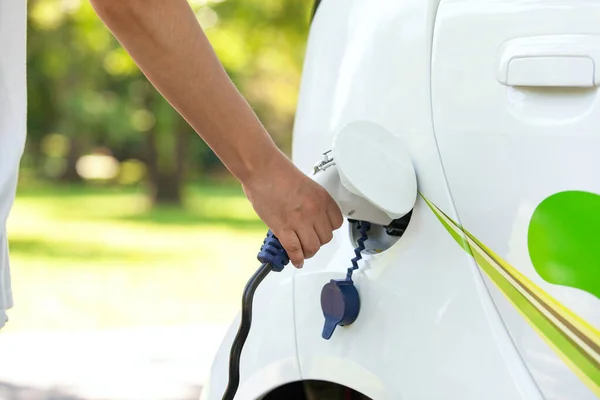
column 492, row 292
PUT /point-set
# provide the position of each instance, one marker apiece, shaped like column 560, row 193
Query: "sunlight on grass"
column 88, row 258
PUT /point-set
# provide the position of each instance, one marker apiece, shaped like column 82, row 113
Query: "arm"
column 169, row 46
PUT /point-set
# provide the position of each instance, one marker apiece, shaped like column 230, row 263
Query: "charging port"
column 381, row 237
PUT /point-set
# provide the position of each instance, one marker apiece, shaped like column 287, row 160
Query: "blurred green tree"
column 85, row 93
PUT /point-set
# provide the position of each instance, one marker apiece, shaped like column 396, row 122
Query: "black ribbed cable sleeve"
column 243, row 330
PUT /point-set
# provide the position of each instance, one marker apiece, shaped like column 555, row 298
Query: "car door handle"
column 550, row 61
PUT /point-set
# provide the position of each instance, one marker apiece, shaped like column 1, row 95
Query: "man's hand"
column 167, row 43
column 298, row 210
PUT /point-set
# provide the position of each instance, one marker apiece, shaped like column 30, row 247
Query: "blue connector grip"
column 273, row 253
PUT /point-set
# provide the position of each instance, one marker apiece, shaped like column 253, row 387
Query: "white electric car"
column 487, row 285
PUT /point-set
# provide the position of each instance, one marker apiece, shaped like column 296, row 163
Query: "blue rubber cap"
column 272, row 252
column 340, row 304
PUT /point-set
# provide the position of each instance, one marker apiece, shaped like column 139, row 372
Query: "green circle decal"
column 564, row 240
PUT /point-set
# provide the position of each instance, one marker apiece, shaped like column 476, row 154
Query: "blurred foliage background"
column 93, row 115
column 124, row 217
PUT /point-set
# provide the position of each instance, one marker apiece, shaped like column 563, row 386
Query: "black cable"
column 243, row 330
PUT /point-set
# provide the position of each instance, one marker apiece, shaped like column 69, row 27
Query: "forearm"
column 169, row 46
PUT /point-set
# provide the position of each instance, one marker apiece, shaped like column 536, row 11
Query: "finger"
column 309, row 240
column 293, row 248
column 324, row 230
column 335, row 216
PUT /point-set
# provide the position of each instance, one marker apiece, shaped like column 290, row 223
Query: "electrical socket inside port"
column 381, row 237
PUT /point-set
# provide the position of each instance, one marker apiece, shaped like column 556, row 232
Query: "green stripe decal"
column 575, row 341
column 457, row 236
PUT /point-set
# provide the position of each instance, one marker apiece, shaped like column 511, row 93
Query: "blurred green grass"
column 97, row 257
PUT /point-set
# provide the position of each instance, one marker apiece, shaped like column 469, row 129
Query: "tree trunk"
column 167, row 145
column 166, row 183
column 71, row 124
column 70, row 174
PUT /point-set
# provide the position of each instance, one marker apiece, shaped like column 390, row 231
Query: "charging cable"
column 273, row 257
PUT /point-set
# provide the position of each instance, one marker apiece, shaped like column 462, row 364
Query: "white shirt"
column 13, row 124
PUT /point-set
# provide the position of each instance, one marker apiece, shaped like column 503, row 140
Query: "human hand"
column 298, row 210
